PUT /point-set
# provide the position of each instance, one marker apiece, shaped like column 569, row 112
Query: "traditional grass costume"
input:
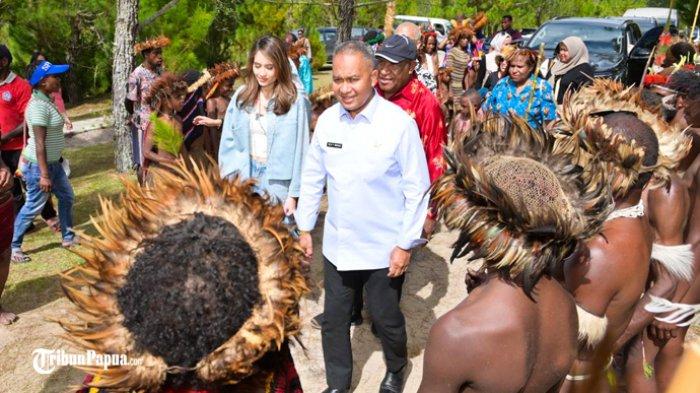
column 196, row 280
column 582, row 130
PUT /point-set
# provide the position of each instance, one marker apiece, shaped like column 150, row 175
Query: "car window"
column 631, row 38
column 439, row 28
column 329, row 36
column 598, row 39
column 650, row 38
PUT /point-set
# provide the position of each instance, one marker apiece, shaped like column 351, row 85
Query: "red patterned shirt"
column 417, row 100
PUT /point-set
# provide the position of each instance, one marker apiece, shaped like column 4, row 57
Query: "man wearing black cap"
column 398, row 84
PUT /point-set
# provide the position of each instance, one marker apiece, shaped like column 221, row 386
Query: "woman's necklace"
column 262, row 105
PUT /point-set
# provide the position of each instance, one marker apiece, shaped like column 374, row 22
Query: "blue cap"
column 44, row 69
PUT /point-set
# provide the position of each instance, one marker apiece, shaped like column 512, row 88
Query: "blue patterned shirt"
column 504, row 97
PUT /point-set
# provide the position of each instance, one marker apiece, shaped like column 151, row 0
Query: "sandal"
column 53, row 224
column 6, row 317
column 70, row 243
column 20, row 257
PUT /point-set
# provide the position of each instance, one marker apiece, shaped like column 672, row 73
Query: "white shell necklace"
column 635, row 211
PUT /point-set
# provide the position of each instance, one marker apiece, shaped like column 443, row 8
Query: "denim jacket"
column 287, row 142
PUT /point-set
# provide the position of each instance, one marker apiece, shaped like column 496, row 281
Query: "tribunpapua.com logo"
column 47, row 360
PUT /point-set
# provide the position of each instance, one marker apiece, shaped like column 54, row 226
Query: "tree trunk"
column 346, row 12
column 124, row 39
column 71, row 56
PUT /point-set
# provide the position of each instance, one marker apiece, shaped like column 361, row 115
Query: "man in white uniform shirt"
column 368, row 153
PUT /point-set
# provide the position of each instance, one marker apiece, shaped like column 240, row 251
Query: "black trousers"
column 382, row 300
column 11, row 159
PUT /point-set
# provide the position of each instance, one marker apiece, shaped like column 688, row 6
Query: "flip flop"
column 7, row 318
column 70, row 243
column 20, row 257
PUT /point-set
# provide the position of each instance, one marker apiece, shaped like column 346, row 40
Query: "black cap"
column 5, row 53
column 396, row 49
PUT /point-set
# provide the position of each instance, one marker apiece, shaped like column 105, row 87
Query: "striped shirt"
column 41, row 111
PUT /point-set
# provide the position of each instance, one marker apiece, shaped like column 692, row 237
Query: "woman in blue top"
column 522, row 92
column 266, row 129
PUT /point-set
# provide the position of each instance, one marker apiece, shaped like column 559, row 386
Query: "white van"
column 660, row 14
column 442, row 26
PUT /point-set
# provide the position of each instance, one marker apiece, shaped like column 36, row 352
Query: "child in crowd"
column 223, row 78
column 165, row 98
column 443, row 92
column 470, row 102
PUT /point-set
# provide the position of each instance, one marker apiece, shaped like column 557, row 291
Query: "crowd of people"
column 574, row 197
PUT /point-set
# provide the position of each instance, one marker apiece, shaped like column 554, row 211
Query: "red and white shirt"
column 15, row 93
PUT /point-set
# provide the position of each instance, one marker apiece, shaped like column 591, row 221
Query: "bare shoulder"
column 473, row 330
column 593, row 262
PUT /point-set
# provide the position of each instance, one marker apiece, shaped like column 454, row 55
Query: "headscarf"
column 578, row 54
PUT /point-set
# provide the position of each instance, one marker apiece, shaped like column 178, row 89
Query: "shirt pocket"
column 379, row 161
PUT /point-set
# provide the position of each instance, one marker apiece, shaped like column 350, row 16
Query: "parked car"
column 441, row 26
column 609, row 42
column 527, row 33
column 660, row 14
column 329, row 36
column 645, row 23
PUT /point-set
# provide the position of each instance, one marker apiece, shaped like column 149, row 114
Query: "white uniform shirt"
column 377, row 178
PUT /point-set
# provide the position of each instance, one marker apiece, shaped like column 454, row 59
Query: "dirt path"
column 433, row 286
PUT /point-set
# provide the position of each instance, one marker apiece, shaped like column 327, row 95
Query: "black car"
column 329, row 36
column 609, row 43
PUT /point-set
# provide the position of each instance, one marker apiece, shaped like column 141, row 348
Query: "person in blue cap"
column 41, row 169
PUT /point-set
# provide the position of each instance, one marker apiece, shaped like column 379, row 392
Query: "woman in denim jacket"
column 266, row 129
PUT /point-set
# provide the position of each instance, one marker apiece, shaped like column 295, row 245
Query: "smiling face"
column 393, row 77
column 353, row 81
column 503, row 66
column 563, row 54
column 264, row 70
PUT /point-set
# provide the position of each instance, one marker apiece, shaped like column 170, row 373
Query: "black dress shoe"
column 392, row 383
column 329, row 390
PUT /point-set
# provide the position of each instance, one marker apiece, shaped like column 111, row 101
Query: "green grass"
column 36, row 283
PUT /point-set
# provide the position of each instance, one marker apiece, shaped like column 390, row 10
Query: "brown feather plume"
column 590, row 137
column 152, row 43
column 177, row 193
column 504, row 224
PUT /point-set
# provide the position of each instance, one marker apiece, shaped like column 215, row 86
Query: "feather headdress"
column 220, row 73
column 518, row 202
column 468, row 26
column 587, row 134
column 179, row 193
column 152, row 43
column 322, row 96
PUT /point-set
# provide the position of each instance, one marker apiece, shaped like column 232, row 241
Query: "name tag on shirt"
column 335, row 145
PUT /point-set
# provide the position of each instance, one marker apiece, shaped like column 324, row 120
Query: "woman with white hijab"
column 498, row 42
column 570, row 70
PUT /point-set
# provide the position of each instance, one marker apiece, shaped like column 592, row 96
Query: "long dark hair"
column 424, row 44
column 285, row 92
